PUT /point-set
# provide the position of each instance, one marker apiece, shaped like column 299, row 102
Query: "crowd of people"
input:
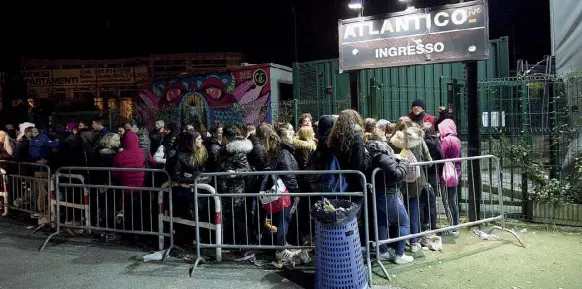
column 405, row 198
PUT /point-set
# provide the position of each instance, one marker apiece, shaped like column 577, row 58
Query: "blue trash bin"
column 339, row 263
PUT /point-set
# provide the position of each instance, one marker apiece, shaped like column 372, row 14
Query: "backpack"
column 333, row 183
column 413, row 171
column 449, row 176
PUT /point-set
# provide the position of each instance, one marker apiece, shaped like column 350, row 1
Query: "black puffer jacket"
column 323, row 154
column 181, row 169
column 287, row 162
column 303, row 151
column 393, row 171
column 257, row 157
column 436, row 153
column 233, row 157
column 355, row 158
column 156, row 140
column 213, row 147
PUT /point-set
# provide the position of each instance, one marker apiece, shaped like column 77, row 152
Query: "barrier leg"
column 4, row 196
column 383, row 269
column 48, row 239
column 39, row 227
column 493, row 228
column 160, row 220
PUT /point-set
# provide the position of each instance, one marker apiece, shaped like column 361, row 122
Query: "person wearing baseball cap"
column 418, row 114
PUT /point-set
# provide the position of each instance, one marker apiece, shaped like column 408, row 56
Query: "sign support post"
column 473, row 142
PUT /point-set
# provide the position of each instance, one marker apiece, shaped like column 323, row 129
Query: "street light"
column 356, row 4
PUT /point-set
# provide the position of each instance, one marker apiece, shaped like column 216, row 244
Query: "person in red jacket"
column 130, row 157
column 418, row 113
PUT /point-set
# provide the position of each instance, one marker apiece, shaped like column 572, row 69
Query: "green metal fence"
column 385, row 92
column 532, row 123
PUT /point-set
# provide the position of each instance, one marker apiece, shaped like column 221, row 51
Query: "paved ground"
column 86, row 265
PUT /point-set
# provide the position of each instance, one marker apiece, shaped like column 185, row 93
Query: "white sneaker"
column 287, row 255
column 119, row 217
column 404, row 259
column 415, row 247
column 386, row 256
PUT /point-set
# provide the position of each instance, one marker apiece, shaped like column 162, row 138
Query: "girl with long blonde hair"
column 6, row 146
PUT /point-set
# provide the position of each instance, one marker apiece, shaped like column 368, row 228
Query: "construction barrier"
column 413, row 210
column 3, row 193
column 25, row 188
column 248, row 220
column 83, row 207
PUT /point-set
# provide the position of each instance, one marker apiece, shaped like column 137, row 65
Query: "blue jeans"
column 284, row 218
column 412, row 206
column 391, row 212
column 452, row 194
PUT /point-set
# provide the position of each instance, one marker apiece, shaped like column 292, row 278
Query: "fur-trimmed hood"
column 239, row 146
column 410, row 138
column 305, row 145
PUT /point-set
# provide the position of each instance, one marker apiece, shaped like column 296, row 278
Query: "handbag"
column 270, row 187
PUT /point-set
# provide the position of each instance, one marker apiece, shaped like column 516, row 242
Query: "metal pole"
column 473, row 141
column 554, row 162
column 295, row 34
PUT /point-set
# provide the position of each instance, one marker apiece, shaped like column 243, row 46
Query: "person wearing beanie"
column 418, row 113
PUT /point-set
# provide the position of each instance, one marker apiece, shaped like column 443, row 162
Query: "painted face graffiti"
column 230, row 97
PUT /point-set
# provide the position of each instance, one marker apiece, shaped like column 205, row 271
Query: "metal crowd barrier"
column 3, row 194
column 26, row 188
column 216, row 227
column 477, row 199
column 248, row 212
column 110, row 208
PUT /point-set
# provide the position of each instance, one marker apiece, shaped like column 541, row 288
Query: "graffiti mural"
column 233, row 97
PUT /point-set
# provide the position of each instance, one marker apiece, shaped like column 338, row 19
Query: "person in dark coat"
column 106, row 150
column 233, row 158
column 283, row 159
column 189, row 160
column 305, row 145
column 389, row 206
column 213, row 146
column 428, row 196
column 40, row 146
column 184, row 168
column 257, row 157
column 323, row 153
column 418, row 113
column 347, row 143
column 157, row 136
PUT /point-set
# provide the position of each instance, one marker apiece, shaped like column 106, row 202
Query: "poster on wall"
column 231, row 97
column 452, row 33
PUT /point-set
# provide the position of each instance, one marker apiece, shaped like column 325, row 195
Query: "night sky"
column 262, row 30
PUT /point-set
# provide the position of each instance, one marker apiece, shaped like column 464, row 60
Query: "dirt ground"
column 552, row 259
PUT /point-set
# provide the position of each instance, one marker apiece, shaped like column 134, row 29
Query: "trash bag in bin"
column 334, row 212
